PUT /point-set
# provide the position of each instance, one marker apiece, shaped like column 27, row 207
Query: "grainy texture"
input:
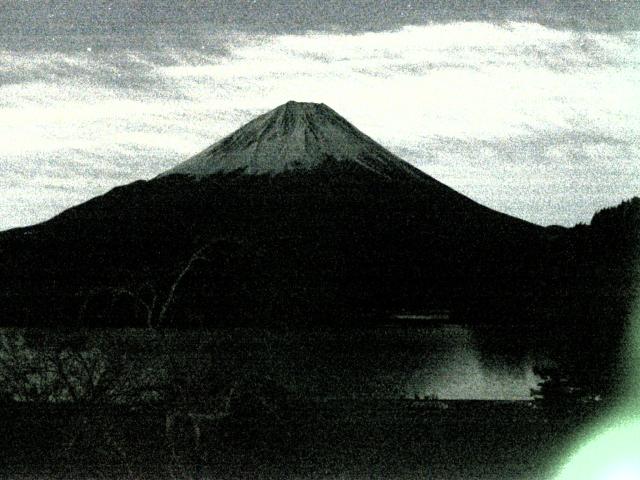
column 300, row 299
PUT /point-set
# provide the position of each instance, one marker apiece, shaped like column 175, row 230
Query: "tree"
column 89, row 376
column 561, row 389
column 151, row 301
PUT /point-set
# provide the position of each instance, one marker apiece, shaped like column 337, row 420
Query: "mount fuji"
column 296, row 218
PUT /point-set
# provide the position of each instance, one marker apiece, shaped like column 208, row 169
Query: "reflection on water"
column 448, row 361
column 455, row 369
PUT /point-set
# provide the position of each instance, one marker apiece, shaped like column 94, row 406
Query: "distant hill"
column 295, row 219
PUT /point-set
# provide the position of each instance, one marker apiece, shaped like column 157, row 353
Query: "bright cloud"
column 539, row 123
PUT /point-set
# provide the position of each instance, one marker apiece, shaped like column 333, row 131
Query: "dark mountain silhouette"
column 295, row 219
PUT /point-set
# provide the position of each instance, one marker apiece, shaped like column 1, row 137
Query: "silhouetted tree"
column 89, row 376
column 562, row 390
column 155, row 301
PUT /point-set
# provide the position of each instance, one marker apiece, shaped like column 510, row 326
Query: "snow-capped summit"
column 296, row 136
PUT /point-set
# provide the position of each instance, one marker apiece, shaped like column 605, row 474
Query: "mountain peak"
column 296, row 136
column 293, row 106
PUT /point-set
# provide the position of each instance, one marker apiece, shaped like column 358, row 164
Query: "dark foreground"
column 331, row 439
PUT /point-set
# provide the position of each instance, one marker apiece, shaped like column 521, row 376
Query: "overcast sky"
column 531, row 108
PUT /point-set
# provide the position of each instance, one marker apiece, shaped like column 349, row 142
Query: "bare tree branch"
column 198, row 255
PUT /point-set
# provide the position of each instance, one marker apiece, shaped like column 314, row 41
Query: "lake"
column 447, row 361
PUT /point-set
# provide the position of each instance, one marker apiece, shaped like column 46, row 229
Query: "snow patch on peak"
column 296, row 136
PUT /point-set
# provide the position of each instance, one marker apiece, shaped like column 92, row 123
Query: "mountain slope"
column 297, row 217
column 296, row 137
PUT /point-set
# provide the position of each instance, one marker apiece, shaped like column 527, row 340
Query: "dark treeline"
column 583, row 307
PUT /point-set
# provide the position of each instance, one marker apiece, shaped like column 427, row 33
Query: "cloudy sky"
column 531, row 108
